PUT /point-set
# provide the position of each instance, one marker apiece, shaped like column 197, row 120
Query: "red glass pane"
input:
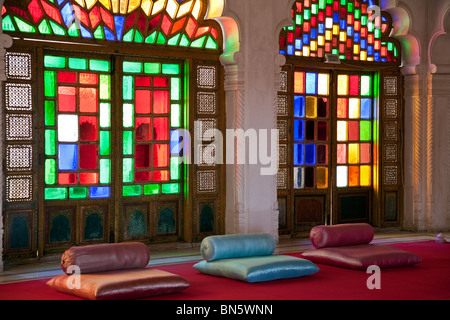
column 353, row 130
column 322, row 131
column 322, row 107
column 161, row 129
column 160, row 102
column 154, row 23
column 161, row 175
column 322, row 154
column 66, row 99
column 88, row 128
column 88, row 156
column 143, row 101
column 365, row 153
column 342, row 110
column 88, row 100
column 94, row 16
column 160, row 82
column 88, row 78
column 354, row 85
column 140, row 176
column 35, row 10
column 142, row 156
column 130, row 20
column 69, row 77
column 166, row 24
column 142, row 22
column 67, row 178
column 201, row 31
column 81, row 15
column 51, row 11
column 160, row 155
column 143, row 81
column 143, row 129
column 342, row 153
column 88, row 177
column 107, row 18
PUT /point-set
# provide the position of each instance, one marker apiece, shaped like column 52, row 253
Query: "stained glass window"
column 351, row 29
column 159, row 22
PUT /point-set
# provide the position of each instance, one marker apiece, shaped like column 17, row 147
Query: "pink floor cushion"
column 348, row 246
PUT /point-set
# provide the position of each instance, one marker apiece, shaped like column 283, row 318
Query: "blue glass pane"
column 356, row 37
column 336, row 18
column 298, row 44
column 363, row 44
column 299, row 130
column 175, row 145
column 84, row 32
column 119, row 21
column 67, row 14
column 377, row 56
column 321, row 28
column 299, row 106
column 370, row 50
column 311, row 83
column 290, row 49
column 310, row 154
column 299, row 158
column 343, row 24
column 99, row 192
column 108, row 34
column 306, row 39
column 366, row 109
column 313, row 33
column 68, row 157
column 350, row 31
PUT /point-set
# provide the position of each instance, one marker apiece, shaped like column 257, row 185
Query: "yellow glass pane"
column 184, row 8
column 366, row 176
column 328, row 35
column 90, row 3
column 335, row 29
column 115, row 6
column 133, row 5
column 313, row 46
column 323, row 83
column 354, row 108
column 342, row 84
column 356, row 48
column 353, row 153
column 158, row 6
column 353, row 176
column 322, row 177
column 321, row 41
column 311, row 107
column 172, row 8
column 123, row 6
column 81, row 2
column 196, row 10
column 305, row 51
column 341, row 176
column 299, row 82
column 363, row 55
column 342, row 36
column 146, row 6
column 342, row 129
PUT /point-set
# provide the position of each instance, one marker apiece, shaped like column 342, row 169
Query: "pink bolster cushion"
column 105, row 257
column 341, row 235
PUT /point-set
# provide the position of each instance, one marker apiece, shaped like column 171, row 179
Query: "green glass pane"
column 175, row 168
column 175, row 115
column 78, row 193
column 199, row 42
column 50, row 171
column 357, row 14
column 128, row 37
column 161, row 39
column 55, row 193
column 7, row 24
column 105, row 143
column 128, row 88
column 151, row 38
column 130, row 191
column 175, row 93
column 23, row 26
column 307, row 14
column 73, row 31
column 174, row 40
column 105, row 87
column 50, row 142
column 364, row 20
column 128, row 142
column 150, row 189
column 99, row 65
column 78, row 63
column 105, row 115
column 211, row 44
column 57, row 29
column 132, row 67
column 98, row 33
column 54, row 62
column 49, row 113
column 322, row 4
column 128, row 170
column 128, row 115
column 44, row 28
column 105, row 171
column 152, row 67
column 170, row 68
column 377, row 33
column 138, row 37
column 366, row 85
column 298, row 19
column 350, row 7
column 170, row 188
column 365, row 130
column 184, row 41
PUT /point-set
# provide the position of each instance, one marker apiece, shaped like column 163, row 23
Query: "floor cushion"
column 120, row 284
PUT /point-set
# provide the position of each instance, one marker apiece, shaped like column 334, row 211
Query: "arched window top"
column 175, row 23
column 355, row 30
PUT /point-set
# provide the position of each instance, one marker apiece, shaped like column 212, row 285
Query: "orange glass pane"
column 353, row 176
column 299, row 82
column 88, row 78
column 322, row 177
column 161, row 175
column 342, row 108
column 88, row 100
column 160, row 102
column 160, row 155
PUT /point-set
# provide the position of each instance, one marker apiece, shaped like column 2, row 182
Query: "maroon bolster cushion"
column 341, row 235
column 119, row 284
column 362, row 256
column 104, row 257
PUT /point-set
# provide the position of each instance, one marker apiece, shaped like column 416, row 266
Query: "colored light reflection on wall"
column 151, row 93
column 77, row 138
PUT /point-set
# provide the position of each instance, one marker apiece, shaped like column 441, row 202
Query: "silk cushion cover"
column 120, row 284
column 341, row 235
column 258, row 268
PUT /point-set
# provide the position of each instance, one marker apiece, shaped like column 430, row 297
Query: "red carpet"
column 428, row 280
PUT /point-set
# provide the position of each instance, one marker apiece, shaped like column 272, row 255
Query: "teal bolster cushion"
column 258, row 268
column 237, row 246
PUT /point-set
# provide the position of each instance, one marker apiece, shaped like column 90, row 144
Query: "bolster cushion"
column 119, row 284
column 104, row 257
column 237, row 246
column 258, row 268
column 341, row 235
